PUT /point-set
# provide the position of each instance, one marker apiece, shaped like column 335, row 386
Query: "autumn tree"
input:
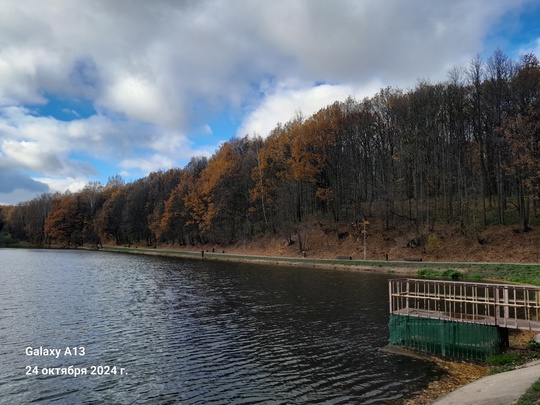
column 218, row 204
column 92, row 200
column 275, row 190
column 65, row 221
column 109, row 221
column 175, row 223
column 464, row 151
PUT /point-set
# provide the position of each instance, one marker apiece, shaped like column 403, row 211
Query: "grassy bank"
column 504, row 272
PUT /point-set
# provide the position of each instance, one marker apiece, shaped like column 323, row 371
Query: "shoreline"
column 368, row 266
column 457, row 373
column 527, row 273
column 489, row 272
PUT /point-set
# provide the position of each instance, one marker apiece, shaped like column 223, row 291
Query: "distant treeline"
column 465, row 152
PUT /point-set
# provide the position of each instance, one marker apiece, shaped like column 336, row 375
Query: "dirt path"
column 350, row 265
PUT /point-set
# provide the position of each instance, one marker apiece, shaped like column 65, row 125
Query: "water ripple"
column 196, row 332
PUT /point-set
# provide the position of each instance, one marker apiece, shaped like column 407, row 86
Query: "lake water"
column 152, row 330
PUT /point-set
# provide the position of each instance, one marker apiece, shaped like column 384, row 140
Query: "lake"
column 82, row 327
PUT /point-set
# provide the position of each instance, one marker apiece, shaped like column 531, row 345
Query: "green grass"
column 449, row 274
column 532, row 396
column 503, row 359
column 515, row 273
column 509, row 272
column 503, row 362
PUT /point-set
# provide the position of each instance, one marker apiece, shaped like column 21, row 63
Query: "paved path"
column 499, row 389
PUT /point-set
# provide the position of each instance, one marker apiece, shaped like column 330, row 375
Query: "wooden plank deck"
column 503, row 305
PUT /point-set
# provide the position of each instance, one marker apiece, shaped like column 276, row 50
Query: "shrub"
column 502, row 359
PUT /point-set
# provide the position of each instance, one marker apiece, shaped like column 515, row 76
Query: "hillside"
column 495, row 244
column 413, row 162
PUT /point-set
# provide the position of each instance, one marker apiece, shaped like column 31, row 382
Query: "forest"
column 464, row 152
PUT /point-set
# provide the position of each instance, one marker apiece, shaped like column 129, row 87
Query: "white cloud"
column 170, row 143
column 30, row 156
column 158, row 71
column 283, row 103
column 61, row 185
column 147, row 164
column 151, row 58
column 138, row 98
column 35, row 142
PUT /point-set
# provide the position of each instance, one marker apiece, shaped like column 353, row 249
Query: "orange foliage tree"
column 218, row 203
column 65, row 222
column 175, row 222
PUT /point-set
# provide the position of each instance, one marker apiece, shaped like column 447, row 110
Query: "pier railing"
column 504, row 305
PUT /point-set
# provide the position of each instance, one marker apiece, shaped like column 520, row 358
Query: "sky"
column 90, row 89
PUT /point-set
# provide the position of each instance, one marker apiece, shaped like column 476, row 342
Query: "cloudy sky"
column 91, row 89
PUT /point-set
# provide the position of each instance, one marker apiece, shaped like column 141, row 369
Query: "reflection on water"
column 194, row 332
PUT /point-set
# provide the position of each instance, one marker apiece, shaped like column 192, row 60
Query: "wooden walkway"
column 503, row 305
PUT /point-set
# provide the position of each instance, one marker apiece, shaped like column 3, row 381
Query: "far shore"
column 405, row 268
column 522, row 273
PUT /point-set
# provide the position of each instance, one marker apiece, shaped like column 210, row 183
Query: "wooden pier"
column 502, row 305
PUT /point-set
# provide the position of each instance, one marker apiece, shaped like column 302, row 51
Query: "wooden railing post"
column 390, row 291
column 407, row 289
column 506, row 308
column 481, row 303
column 497, row 305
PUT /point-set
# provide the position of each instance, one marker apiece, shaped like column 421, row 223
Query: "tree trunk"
column 523, row 208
